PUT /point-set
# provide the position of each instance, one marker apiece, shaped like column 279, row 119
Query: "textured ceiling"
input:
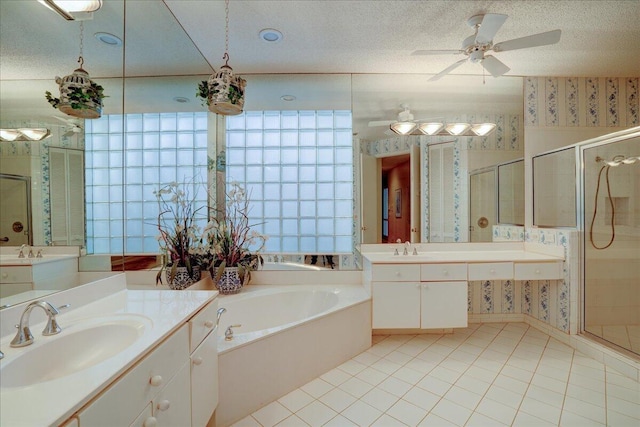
column 330, row 47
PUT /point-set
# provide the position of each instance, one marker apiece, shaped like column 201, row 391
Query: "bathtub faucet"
column 228, row 334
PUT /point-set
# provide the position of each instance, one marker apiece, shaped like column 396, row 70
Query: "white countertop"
column 52, row 402
column 460, row 256
column 461, row 252
column 13, row 260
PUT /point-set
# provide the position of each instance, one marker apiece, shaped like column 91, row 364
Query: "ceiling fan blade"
column 435, row 52
column 490, row 25
column 494, row 66
column 375, row 123
column 447, row 70
column 542, row 39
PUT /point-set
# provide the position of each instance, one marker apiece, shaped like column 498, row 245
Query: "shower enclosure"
column 611, row 240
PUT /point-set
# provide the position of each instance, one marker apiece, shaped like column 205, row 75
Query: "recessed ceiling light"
column 288, row 98
column 270, row 35
column 108, row 39
column 181, row 99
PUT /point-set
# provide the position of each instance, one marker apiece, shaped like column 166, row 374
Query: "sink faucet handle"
column 52, row 327
column 39, row 254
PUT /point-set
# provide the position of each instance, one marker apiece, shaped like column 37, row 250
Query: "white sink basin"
column 79, row 346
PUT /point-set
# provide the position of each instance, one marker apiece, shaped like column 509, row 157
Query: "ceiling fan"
column 475, row 46
column 72, row 126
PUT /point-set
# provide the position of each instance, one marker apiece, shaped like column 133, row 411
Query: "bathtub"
column 290, row 334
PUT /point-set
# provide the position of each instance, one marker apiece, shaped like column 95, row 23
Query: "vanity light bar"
column 65, row 8
column 436, row 128
column 24, row 134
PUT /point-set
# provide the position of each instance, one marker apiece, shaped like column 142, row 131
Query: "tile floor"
column 486, row 375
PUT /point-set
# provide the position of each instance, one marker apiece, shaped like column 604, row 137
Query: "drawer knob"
column 397, row 273
column 156, row 380
column 209, row 324
column 5, row 275
column 445, row 272
column 150, row 422
column 492, row 271
column 163, row 405
column 537, row 271
column 197, row 361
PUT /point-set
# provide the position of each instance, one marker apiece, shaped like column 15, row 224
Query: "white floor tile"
column 340, row 421
column 355, row 387
column 422, row 398
column 497, row 411
column 485, row 375
column 335, row 377
column 479, row 420
column 372, row 376
column 452, row 412
column 362, row 413
column 271, row 414
column 569, row 419
column 337, row 399
column 463, row 397
column 395, row 386
column 247, row 421
column 407, row 413
column 296, row 400
column 292, row 421
column 387, row 421
column 316, row 414
column 380, row 399
column 433, row 420
column 316, row 388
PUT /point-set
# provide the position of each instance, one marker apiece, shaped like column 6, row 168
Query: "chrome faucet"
column 1, row 355
column 406, row 250
column 22, row 248
column 228, row 333
column 23, row 336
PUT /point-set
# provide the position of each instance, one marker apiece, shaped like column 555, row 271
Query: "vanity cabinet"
column 427, row 296
column 176, row 384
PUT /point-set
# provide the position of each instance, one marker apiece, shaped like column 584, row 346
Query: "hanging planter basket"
column 79, row 96
column 223, row 92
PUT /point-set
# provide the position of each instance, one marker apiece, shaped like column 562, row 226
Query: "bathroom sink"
column 78, row 347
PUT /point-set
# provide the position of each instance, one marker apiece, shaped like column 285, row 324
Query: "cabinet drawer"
column 15, row 274
column 491, row 271
column 122, row 402
column 201, row 324
column 440, row 272
column 396, row 273
column 538, row 271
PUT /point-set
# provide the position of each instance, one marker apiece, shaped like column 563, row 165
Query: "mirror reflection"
column 123, row 70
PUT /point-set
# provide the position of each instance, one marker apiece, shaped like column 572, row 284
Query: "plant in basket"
column 180, row 236
column 234, row 246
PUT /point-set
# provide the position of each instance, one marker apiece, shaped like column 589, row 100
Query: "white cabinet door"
column 396, row 305
column 443, row 305
column 172, row 406
column 204, row 381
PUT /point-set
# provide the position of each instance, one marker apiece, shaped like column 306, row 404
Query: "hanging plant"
column 79, row 95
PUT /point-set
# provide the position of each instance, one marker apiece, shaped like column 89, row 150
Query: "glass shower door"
column 611, row 199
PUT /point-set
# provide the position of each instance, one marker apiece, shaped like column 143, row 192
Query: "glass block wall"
column 126, row 162
column 298, row 168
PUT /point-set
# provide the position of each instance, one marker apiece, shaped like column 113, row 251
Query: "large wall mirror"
column 434, row 168
column 151, row 79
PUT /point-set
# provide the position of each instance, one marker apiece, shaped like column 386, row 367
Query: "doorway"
column 15, row 217
column 396, row 200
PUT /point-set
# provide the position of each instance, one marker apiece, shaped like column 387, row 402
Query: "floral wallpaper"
column 581, row 101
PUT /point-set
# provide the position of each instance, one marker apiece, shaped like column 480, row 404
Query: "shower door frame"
column 582, row 226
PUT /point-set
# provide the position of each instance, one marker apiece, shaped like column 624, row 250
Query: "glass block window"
column 126, row 162
column 298, row 168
